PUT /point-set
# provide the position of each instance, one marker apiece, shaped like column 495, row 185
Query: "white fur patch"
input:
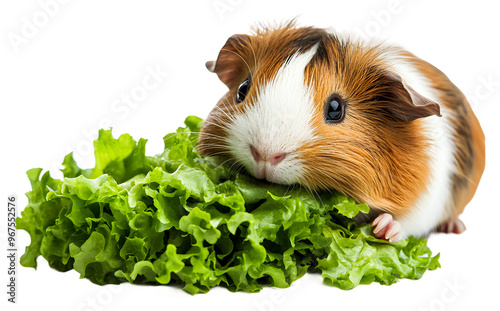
column 279, row 120
column 431, row 206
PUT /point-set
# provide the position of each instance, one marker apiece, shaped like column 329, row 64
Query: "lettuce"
column 179, row 218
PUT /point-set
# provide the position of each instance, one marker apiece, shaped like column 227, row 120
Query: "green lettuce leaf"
column 179, row 218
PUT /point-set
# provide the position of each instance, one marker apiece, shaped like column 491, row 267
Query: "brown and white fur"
column 409, row 144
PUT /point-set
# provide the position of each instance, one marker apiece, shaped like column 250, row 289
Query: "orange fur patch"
column 370, row 156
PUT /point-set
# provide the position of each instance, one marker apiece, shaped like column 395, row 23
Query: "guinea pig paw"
column 387, row 228
column 452, row 226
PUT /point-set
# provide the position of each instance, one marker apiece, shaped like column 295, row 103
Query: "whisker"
column 239, row 57
column 220, row 125
column 322, row 173
column 254, row 56
column 227, row 105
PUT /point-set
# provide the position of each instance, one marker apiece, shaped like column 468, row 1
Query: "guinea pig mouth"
column 262, row 170
column 274, row 175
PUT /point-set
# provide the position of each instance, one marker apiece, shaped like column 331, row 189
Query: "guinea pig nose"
column 273, row 159
column 277, row 158
column 255, row 154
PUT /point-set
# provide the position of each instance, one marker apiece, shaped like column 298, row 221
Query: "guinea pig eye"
column 243, row 90
column 334, row 109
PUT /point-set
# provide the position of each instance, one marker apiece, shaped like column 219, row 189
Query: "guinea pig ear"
column 230, row 64
column 407, row 104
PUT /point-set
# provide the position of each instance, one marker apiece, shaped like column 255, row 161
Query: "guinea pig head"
column 305, row 107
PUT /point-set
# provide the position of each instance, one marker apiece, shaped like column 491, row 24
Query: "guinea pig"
column 307, row 106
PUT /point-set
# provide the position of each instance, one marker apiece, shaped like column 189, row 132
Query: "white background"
column 65, row 69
